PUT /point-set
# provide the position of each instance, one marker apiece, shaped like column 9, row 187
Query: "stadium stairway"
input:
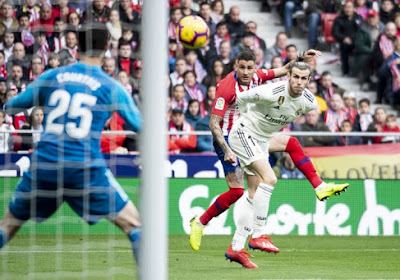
column 269, row 24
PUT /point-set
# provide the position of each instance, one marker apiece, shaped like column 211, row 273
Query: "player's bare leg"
column 267, row 180
column 221, row 204
column 285, row 143
column 9, row 226
column 128, row 220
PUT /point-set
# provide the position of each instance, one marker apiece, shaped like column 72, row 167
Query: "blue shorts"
column 228, row 167
column 93, row 194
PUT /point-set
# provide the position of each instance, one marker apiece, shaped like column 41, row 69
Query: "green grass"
column 110, row 257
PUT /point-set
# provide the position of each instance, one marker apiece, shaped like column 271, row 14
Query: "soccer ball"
column 193, row 32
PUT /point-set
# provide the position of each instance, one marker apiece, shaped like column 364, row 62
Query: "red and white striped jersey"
column 225, row 97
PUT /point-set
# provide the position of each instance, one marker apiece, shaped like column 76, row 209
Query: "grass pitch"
column 109, row 257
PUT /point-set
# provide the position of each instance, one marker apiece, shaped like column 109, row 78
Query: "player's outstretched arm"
column 216, row 131
column 307, row 57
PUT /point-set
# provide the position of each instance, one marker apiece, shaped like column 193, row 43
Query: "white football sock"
column 244, row 224
column 261, row 205
column 323, row 184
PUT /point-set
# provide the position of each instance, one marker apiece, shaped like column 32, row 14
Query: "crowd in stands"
column 36, row 35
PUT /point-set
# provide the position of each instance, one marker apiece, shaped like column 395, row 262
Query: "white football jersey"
column 274, row 110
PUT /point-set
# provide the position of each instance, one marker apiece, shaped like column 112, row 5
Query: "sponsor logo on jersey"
column 219, row 105
column 299, row 112
column 281, row 99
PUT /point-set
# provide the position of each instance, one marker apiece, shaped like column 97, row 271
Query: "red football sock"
column 221, row 204
column 302, row 161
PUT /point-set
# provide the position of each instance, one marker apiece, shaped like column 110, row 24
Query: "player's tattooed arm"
column 216, row 131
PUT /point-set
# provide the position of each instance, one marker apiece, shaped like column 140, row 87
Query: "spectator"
column 390, row 126
column 71, row 48
column 258, row 43
column 209, row 100
column 260, row 61
column 193, row 114
column 175, row 15
column 387, row 11
column 217, row 11
column 291, row 7
column 277, row 62
column 291, row 53
column 285, row 168
column 124, row 60
column 7, row 20
column 114, row 142
column 279, row 48
column 397, row 22
column 361, row 8
column 313, row 88
column 16, row 81
column 3, row 70
column 36, row 68
column 193, row 90
column 126, row 13
column 54, row 61
column 180, row 143
column 19, row 57
column 346, row 126
column 312, row 123
column 246, row 44
column 57, row 40
column 24, row 34
column 73, row 19
column 378, row 123
column 7, row 44
column 173, row 53
column 344, row 30
column 204, row 142
column 194, row 64
column 64, row 10
column 314, row 10
column 137, row 77
column 35, row 122
column 179, row 69
column 123, row 78
column 115, row 28
column 129, row 36
column 186, row 7
column 205, row 13
column 97, row 12
column 383, row 50
column 221, row 34
column 3, row 92
column 315, row 76
column 235, row 25
column 215, row 75
column 32, row 8
column 45, row 21
column 327, row 88
column 108, row 66
column 365, row 39
column 6, row 139
column 364, row 118
column 349, row 108
column 394, row 64
column 178, row 99
column 333, row 117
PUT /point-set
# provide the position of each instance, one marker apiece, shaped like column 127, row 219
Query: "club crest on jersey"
column 219, row 105
column 299, row 112
column 281, row 99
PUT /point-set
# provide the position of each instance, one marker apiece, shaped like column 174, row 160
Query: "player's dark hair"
column 246, row 56
column 299, row 63
column 93, row 38
column 364, row 100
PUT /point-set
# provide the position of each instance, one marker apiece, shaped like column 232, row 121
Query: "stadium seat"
column 327, row 20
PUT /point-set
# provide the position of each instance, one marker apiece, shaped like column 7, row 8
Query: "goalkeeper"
column 67, row 164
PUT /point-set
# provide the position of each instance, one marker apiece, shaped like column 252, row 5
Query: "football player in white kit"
column 266, row 109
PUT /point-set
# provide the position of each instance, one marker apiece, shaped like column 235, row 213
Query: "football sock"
column 302, row 161
column 261, row 205
column 221, row 204
column 135, row 236
column 4, row 238
column 244, row 224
